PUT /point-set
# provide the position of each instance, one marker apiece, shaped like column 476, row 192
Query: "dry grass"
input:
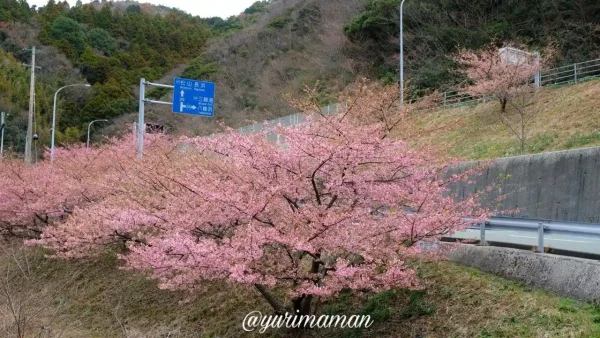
column 95, row 299
column 570, row 119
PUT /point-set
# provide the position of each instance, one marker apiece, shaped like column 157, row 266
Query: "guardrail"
column 541, row 227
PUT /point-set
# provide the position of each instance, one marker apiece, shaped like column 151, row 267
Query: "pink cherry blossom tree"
column 338, row 205
column 507, row 81
column 31, row 197
column 34, row 196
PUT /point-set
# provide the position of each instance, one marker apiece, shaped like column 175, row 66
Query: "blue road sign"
column 194, row 97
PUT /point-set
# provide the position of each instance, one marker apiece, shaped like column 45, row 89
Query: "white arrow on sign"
column 182, row 92
column 181, row 106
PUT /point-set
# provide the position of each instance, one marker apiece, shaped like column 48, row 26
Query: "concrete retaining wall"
column 570, row 277
column 563, row 185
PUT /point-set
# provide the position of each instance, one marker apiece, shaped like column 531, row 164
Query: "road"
column 562, row 242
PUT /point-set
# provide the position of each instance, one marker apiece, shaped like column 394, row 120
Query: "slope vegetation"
column 94, row 299
column 327, row 44
column 569, row 118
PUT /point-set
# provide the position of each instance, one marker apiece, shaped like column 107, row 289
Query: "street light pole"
column 29, row 137
column 54, row 117
column 401, row 54
column 89, row 126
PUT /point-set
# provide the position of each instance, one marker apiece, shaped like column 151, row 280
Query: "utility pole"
column 29, row 137
column 2, row 124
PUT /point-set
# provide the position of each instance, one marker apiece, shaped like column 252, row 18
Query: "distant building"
column 521, row 57
column 514, row 55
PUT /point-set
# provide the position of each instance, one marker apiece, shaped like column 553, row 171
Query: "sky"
column 203, row 8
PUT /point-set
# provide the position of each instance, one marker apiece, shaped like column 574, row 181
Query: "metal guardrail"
column 541, row 227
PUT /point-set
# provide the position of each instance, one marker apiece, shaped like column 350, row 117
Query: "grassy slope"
column 570, row 119
column 94, row 299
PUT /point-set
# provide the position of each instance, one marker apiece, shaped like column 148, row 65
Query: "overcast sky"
column 203, row 8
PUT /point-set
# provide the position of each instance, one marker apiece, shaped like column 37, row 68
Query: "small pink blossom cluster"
column 493, row 75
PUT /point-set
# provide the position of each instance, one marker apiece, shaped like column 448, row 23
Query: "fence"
column 286, row 121
column 565, row 75
column 570, row 74
column 541, row 227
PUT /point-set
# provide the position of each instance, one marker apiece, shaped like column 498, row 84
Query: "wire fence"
column 561, row 76
column 287, row 121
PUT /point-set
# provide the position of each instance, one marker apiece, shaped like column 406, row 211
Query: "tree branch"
column 279, row 309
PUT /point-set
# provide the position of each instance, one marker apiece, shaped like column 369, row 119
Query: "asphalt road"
column 562, row 242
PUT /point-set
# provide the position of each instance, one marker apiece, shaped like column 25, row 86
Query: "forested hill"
column 109, row 45
column 567, row 31
column 326, row 44
column 275, row 47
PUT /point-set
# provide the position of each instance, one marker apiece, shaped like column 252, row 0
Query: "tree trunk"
column 279, row 309
column 302, row 305
column 522, row 135
column 503, row 103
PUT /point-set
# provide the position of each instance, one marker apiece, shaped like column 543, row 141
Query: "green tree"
column 375, row 22
column 201, row 70
column 53, row 10
column 96, row 68
column 257, row 7
column 134, row 9
column 104, row 18
column 69, row 30
column 101, row 40
column 15, row 10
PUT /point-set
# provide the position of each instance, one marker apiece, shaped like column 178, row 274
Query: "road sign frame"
column 193, row 97
column 141, row 125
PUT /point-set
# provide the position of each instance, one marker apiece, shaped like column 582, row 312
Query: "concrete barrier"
column 561, row 185
column 569, row 277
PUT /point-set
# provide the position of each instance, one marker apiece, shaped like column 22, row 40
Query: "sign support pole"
column 141, row 126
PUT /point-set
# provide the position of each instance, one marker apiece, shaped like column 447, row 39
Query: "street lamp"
column 54, row 117
column 401, row 55
column 89, row 126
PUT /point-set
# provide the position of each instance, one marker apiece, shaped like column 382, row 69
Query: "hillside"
column 108, row 45
column 327, row 44
column 93, row 299
column 272, row 49
column 569, row 118
column 292, row 44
